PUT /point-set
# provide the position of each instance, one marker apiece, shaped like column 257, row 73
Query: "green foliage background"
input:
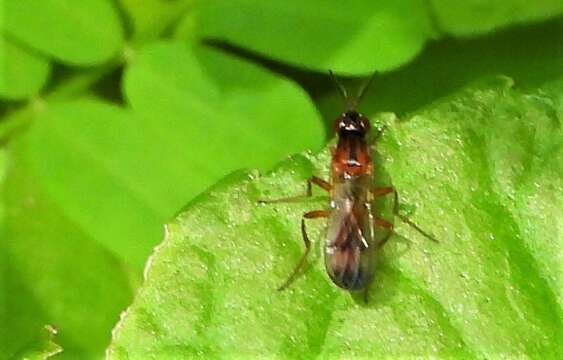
column 117, row 115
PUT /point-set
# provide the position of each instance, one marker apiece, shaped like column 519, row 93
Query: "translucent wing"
column 350, row 248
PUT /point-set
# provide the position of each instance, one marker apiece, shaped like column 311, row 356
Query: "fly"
column 351, row 246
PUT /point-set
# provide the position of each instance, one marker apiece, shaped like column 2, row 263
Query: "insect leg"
column 389, row 226
column 312, row 180
column 386, row 224
column 308, row 215
column 325, row 185
column 406, row 220
column 381, row 191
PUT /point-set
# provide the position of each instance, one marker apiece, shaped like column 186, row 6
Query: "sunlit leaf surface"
column 481, row 169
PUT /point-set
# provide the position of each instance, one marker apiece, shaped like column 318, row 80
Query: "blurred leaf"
column 85, row 32
column 94, row 160
column 483, row 168
column 211, row 113
column 448, row 65
column 54, row 272
column 471, row 17
column 22, row 73
column 150, row 18
column 72, row 87
column 353, row 36
column 43, row 347
column 129, row 161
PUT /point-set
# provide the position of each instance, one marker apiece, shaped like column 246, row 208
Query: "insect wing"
column 349, row 252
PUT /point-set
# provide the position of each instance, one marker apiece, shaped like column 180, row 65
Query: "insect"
column 351, row 246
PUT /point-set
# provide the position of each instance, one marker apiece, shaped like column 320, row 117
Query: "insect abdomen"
column 349, row 251
column 347, row 270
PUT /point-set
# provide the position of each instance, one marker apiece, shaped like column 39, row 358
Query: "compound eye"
column 339, row 123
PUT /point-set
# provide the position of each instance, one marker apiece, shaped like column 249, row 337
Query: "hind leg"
column 382, row 191
column 315, row 214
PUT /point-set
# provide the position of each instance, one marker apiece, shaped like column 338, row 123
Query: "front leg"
column 325, row 185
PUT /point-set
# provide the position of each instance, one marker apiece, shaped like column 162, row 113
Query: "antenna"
column 364, row 88
column 351, row 103
column 339, row 86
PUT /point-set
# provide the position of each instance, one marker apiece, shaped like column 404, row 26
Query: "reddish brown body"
column 351, row 157
column 350, row 244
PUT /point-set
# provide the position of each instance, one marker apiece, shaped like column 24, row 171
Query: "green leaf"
column 93, row 149
column 43, row 347
column 353, row 36
column 482, row 170
column 449, row 65
column 22, row 73
column 471, row 17
column 85, row 32
column 129, row 161
column 220, row 114
column 150, row 18
column 54, row 272
column 93, row 183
